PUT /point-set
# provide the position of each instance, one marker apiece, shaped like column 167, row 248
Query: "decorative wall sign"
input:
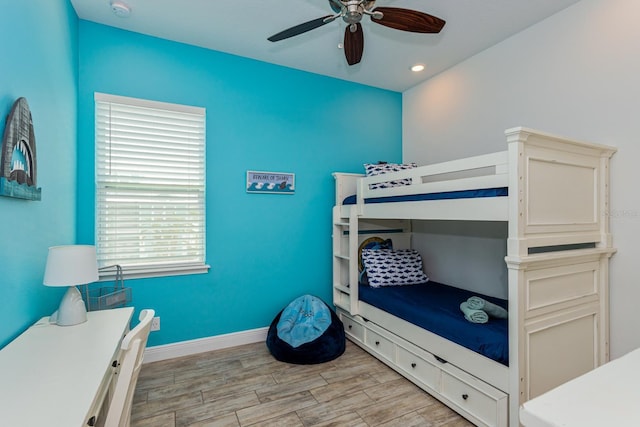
column 18, row 167
column 270, row 182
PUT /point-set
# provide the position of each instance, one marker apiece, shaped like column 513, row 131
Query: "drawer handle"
column 350, row 326
column 377, row 342
column 465, row 396
column 440, row 359
column 413, row 364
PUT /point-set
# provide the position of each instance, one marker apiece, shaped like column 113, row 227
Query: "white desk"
column 57, row 376
column 606, row 396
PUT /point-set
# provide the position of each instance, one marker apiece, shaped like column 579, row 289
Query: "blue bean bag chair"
column 306, row 332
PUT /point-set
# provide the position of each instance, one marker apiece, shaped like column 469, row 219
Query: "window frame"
column 157, row 269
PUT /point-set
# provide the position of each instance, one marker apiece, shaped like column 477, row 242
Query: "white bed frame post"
column 516, row 345
column 604, row 306
column 516, row 248
column 516, row 187
column 353, row 257
column 606, row 239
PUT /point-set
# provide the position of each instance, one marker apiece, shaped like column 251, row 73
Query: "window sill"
column 157, row 271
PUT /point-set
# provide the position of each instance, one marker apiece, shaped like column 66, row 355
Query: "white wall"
column 466, row 254
column 575, row 74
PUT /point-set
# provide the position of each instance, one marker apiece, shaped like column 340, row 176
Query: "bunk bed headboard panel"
column 559, row 191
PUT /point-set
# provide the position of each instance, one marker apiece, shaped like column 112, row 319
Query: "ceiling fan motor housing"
column 353, row 10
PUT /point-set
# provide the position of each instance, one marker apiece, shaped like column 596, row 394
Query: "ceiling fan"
column 352, row 12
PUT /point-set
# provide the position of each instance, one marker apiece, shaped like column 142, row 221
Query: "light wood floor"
column 246, row 386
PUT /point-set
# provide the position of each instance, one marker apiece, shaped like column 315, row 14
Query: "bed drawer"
column 478, row 399
column 352, row 328
column 418, row 368
column 380, row 344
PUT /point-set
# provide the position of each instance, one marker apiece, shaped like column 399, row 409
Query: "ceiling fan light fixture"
column 417, row 68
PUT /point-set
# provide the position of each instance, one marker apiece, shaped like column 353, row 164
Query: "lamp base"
column 71, row 310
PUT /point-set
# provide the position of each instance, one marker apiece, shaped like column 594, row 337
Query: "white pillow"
column 386, row 267
column 373, row 169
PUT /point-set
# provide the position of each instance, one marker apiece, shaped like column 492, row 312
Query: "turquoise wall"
column 39, row 62
column 264, row 250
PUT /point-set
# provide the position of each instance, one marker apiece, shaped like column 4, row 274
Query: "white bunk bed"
column 558, row 193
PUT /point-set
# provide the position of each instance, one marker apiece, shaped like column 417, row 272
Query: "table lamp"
column 71, row 265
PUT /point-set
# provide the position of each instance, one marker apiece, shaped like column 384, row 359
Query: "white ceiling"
column 241, row 27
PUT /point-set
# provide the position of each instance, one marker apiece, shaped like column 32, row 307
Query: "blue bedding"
column 436, row 307
column 464, row 194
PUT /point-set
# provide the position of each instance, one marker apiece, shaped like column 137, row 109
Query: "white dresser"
column 59, row 376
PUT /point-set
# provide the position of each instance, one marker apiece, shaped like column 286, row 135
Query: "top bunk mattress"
column 436, row 308
column 463, row 194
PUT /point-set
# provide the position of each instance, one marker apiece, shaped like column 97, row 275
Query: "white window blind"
column 150, row 186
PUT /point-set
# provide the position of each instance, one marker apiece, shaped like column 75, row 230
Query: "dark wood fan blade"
column 300, row 28
column 408, row 20
column 335, row 5
column 353, row 44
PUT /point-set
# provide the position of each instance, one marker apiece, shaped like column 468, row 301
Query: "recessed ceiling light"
column 417, row 68
column 120, row 9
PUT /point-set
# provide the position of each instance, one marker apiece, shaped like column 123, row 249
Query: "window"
column 150, row 186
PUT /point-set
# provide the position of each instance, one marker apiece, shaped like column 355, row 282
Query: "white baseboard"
column 217, row 342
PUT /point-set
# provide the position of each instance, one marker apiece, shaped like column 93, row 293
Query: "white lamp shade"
column 71, row 265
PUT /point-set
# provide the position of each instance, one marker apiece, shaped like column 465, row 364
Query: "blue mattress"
column 465, row 194
column 436, row 307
